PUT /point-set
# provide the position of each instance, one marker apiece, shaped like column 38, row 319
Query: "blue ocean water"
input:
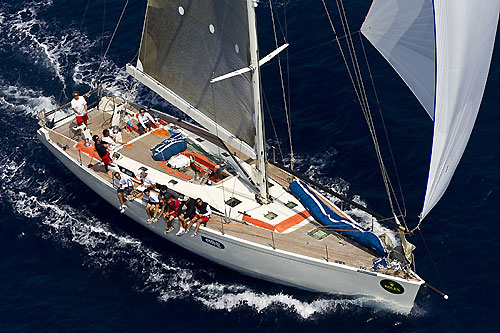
column 70, row 262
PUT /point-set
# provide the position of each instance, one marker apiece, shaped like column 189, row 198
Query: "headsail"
column 187, row 43
column 403, row 32
column 463, row 39
column 465, row 36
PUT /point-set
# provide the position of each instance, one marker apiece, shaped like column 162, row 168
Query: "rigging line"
column 135, row 56
column 63, row 90
column 309, row 49
column 385, row 130
column 287, row 61
column 103, row 26
column 341, row 49
column 401, row 210
column 286, row 23
column 336, row 39
column 432, row 259
column 234, row 184
column 366, row 110
column 213, row 100
column 284, row 32
column 218, row 147
column 274, row 128
column 287, row 114
column 279, row 22
column 352, row 54
column 84, row 14
column 356, row 91
column 113, row 35
column 350, row 45
column 368, row 116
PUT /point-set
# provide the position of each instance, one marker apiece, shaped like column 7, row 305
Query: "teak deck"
column 332, row 247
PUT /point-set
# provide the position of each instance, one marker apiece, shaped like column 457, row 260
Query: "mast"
column 261, row 166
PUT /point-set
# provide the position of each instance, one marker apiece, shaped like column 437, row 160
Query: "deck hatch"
column 291, row 204
column 270, row 215
column 199, row 139
column 317, row 234
column 233, row 202
column 173, row 182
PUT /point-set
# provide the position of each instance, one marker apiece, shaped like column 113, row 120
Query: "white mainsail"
column 464, row 36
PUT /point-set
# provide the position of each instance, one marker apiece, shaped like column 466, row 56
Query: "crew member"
column 124, row 187
column 147, row 180
column 106, row 138
column 163, row 195
column 187, row 211
column 145, row 121
column 172, row 211
column 202, row 216
column 152, row 204
column 102, row 150
column 162, row 198
column 79, row 105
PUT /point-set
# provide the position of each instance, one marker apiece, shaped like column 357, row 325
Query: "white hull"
column 254, row 259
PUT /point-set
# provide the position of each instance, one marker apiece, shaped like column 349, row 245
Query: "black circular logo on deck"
column 392, row 287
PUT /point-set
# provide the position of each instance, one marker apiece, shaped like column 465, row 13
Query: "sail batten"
column 187, row 43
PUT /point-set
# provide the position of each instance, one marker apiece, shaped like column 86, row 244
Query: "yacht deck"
column 308, row 239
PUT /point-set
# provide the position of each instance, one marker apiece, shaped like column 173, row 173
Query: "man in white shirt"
column 106, row 138
column 145, row 121
column 147, row 180
column 79, row 105
column 124, row 186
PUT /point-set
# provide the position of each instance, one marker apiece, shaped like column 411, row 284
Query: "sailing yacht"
column 267, row 220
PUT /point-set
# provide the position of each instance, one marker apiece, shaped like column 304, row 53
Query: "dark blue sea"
column 71, row 262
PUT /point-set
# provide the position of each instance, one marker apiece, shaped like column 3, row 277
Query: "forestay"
column 187, row 43
column 460, row 35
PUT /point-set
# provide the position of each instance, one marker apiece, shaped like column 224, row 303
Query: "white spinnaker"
column 403, row 32
column 465, row 36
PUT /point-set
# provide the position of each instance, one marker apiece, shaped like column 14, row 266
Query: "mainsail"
column 463, row 39
column 185, row 44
